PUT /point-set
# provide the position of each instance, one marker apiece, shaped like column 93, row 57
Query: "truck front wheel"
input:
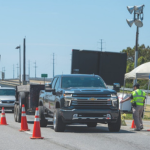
column 43, row 121
column 15, row 112
column 58, row 123
column 115, row 127
column 18, row 112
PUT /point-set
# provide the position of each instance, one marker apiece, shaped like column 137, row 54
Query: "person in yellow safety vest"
column 137, row 99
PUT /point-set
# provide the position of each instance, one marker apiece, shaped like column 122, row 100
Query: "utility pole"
column 29, row 68
column 138, row 21
column 101, row 45
column 17, row 71
column 35, row 68
column 24, row 62
column 13, row 72
column 53, row 65
column 101, row 42
column 3, row 69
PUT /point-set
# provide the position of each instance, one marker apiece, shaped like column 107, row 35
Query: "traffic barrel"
column 3, row 118
column 133, row 125
column 24, row 125
column 36, row 128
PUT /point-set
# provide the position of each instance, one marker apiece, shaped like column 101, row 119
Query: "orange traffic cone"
column 3, row 118
column 36, row 128
column 24, row 125
column 133, row 125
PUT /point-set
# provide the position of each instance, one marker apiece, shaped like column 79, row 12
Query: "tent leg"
column 146, row 98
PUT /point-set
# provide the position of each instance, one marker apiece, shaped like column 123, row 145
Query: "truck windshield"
column 82, row 82
column 7, row 92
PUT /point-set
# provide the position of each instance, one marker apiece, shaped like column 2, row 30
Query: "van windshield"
column 82, row 82
column 7, row 92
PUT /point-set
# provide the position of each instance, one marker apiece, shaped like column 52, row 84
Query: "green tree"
column 143, row 57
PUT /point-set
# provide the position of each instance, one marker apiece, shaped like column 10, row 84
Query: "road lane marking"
column 28, row 132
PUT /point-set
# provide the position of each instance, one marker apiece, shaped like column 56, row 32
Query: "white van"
column 7, row 98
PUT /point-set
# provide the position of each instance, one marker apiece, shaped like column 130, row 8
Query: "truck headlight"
column 67, row 98
column 67, row 102
column 114, row 100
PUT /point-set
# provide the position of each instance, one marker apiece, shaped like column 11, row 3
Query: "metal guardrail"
column 127, row 89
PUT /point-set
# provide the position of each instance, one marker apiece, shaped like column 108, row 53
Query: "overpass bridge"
column 15, row 82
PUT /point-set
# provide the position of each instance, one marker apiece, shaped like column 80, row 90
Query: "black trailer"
column 111, row 66
column 29, row 96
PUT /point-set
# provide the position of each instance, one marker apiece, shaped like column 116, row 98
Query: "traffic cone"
column 3, row 118
column 133, row 125
column 36, row 128
column 24, row 125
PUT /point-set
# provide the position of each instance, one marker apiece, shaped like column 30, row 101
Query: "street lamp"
column 137, row 20
column 19, row 47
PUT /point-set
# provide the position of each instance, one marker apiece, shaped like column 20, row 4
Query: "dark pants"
column 137, row 116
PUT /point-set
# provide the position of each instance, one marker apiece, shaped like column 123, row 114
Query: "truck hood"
column 92, row 90
column 7, row 98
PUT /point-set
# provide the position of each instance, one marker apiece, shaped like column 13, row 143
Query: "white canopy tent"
column 140, row 72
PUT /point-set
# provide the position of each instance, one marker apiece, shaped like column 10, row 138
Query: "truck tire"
column 115, row 127
column 92, row 124
column 15, row 112
column 22, row 99
column 43, row 121
column 18, row 113
column 58, row 124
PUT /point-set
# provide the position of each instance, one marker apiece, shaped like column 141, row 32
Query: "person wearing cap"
column 137, row 99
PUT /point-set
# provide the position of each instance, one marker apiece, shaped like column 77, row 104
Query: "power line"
column 35, row 68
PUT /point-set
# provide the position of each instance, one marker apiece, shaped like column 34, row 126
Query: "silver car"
column 7, row 98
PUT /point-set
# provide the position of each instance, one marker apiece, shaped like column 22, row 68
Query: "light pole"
column 137, row 19
column 19, row 47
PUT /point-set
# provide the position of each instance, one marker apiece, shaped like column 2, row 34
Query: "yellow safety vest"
column 138, row 97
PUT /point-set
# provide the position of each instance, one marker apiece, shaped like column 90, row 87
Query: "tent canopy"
column 140, row 72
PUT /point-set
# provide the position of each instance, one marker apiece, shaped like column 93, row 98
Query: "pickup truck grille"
column 89, row 95
column 8, row 101
column 89, row 103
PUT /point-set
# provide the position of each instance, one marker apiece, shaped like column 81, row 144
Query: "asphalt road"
column 75, row 137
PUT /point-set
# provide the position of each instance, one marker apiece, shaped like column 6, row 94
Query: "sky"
column 58, row 26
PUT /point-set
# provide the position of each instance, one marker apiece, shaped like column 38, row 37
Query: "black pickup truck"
column 78, row 98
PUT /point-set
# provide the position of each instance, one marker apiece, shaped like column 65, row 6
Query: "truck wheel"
column 92, row 124
column 18, row 114
column 58, row 123
column 43, row 121
column 15, row 112
column 115, row 127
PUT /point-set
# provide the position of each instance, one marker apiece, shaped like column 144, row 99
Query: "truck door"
column 50, row 96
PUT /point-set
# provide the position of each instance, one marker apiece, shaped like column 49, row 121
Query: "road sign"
column 44, row 75
column 149, row 76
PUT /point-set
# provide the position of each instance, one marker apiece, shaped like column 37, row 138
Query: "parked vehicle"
column 7, row 98
column 79, row 98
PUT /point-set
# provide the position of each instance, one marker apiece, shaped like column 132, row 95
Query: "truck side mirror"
column 116, row 87
column 50, row 85
column 47, row 89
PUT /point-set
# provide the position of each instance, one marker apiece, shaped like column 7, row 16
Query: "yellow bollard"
column 123, row 123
